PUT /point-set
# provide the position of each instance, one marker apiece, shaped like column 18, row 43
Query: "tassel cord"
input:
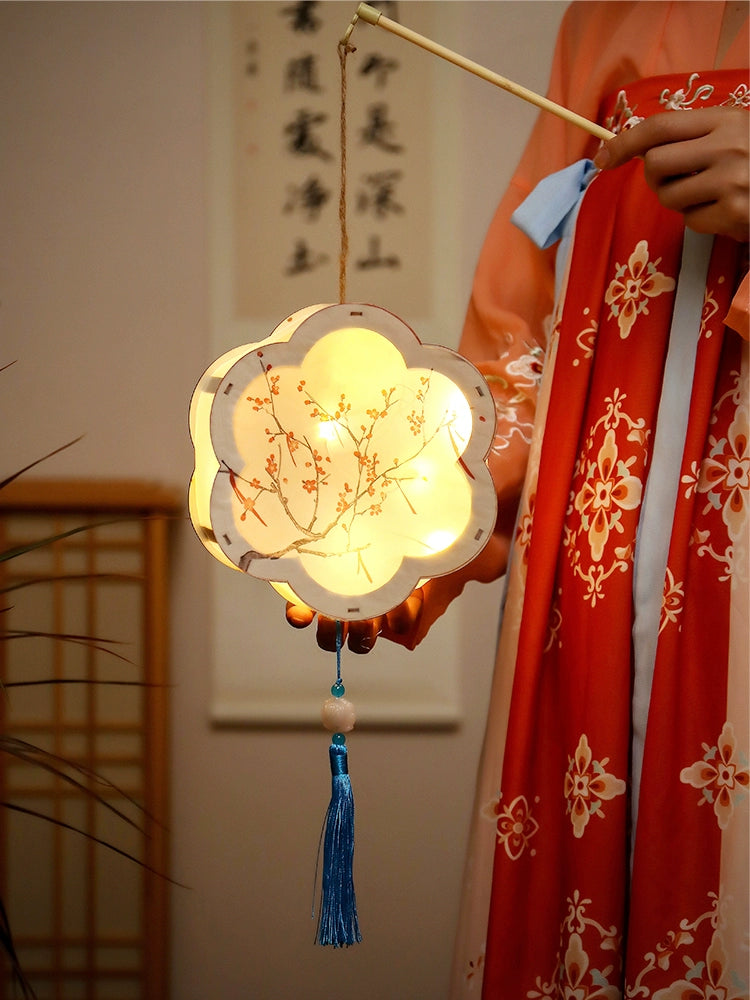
column 338, row 922
column 339, row 644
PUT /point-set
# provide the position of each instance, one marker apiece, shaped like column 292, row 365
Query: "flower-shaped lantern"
column 342, row 460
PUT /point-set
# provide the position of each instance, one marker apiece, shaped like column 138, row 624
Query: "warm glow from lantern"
column 327, row 430
column 286, row 592
column 344, row 459
column 439, row 540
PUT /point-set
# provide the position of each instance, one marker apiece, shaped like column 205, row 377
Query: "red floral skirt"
column 620, row 818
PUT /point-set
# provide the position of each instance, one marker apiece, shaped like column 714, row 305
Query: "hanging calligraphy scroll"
column 285, row 160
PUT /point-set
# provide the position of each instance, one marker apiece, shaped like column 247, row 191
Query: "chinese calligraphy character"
column 302, row 16
column 310, row 197
column 378, row 67
column 303, row 142
column 377, row 132
column 251, row 58
column 379, row 193
column 304, row 260
column 376, row 259
column 301, row 74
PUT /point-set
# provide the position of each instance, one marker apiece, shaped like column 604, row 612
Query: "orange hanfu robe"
column 608, row 853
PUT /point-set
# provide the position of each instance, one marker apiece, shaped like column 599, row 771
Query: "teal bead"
column 338, row 690
column 339, row 739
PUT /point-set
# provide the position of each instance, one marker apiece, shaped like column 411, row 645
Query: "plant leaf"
column 21, row 550
column 53, row 764
column 38, row 461
column 89, row 836
column 68, row 577
column 8, row 743
column 82, row 640
column 7, row 945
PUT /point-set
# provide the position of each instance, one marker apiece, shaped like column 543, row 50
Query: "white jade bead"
column 338, row 715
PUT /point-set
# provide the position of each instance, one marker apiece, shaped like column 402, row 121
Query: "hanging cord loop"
column 344, row 49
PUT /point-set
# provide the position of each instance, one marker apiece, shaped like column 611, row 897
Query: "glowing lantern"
column 343, row 460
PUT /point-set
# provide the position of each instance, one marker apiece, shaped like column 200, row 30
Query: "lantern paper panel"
column 344, row 458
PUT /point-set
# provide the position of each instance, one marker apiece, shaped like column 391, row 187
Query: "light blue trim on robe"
column 549, row 213
column 662, row 486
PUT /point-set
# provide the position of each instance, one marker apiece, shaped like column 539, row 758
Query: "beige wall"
column 104, row 303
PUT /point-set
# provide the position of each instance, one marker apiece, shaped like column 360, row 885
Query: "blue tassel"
column 338, row 924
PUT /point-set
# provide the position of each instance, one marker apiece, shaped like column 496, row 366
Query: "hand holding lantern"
column 360, row 635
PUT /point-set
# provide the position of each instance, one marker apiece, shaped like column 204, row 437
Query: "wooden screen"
column 88, row 922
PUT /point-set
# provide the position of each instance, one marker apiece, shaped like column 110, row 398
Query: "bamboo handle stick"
column 373, row 16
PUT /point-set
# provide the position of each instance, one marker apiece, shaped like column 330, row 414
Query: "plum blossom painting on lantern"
column 347, row 466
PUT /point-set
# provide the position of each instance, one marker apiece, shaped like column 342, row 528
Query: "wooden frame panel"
column 88, row 923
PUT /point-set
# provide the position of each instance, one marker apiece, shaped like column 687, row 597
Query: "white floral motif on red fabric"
column 685, row 97
column 604, row 490
column 609, row 489
column 709, row 980
column 722, row 774
column 705, row 971
column 633, row 285
column 587, row 785
column 725, row 475
column 587, row 965
column 515, row 825
column 672, row 601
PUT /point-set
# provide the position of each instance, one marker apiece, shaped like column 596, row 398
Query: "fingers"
column 402, row 619
column 713, row 199
column 299, row 615
column 326, row 633
column 697, row 164
column 658, row 130
column 359, row 636
column 362, row 635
